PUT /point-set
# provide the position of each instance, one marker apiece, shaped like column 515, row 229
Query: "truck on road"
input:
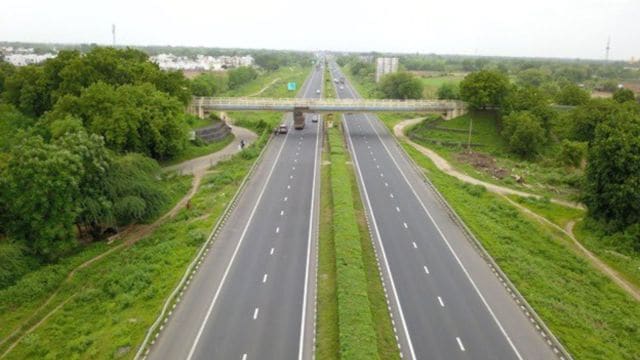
column 298, row 119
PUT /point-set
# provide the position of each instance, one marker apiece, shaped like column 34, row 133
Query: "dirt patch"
column 484, row 163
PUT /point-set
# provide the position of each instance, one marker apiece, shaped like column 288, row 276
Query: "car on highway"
column 282, row 129
column 314, row 118
column 341, row 87
column 318, row 91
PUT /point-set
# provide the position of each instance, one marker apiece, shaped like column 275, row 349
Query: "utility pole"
column 113, row 33
column 606, row 54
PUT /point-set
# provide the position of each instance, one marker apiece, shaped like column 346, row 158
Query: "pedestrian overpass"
column 201, row 106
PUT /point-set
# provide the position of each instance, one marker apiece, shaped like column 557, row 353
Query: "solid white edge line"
column 310, row 238
column 235, row 251
column 384, row 255
column 464, row 270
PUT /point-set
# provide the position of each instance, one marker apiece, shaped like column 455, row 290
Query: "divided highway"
column 445, row 301
column 254, row 294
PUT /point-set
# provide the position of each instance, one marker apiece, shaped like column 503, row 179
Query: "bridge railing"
column 288, row 104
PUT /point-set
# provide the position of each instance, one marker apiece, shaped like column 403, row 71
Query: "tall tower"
column 606, row 54
column 113, row 33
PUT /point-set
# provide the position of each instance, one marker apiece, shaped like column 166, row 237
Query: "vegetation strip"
column 357, row 336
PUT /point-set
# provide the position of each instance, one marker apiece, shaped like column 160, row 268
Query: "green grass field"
column 276, row 89
column 431, row 84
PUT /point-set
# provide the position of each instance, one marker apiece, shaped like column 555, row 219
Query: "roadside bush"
column 523, row 133
column 14, row 262
column 571, row 152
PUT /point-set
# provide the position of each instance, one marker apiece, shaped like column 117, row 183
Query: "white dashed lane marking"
column 397, row 209
column 415, row 246
column 264, row 278
column 278, row 229
column 271, row 252
column 440, row 301
column 460, row 343
column 405, row 225
column 426, row 269
column 255, row 313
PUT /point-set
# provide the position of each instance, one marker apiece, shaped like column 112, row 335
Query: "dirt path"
column 444, row 165
column 447, row 168
column 136, row 232
column 266, row 87
column 200, row 164
column 612, row 274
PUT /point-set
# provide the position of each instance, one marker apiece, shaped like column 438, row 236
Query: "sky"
column 534, row 28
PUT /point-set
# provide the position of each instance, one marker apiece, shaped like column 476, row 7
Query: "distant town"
column 21, row 56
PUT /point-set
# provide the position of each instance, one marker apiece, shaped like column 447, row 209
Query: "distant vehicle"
column 318, row 91
column 341, row 87
column 298, row 120
column 335, row 81
column 282, row 129
column 314, row 118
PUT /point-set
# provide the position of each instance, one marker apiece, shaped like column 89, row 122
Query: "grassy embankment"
column 590, row 314
column 352, row 318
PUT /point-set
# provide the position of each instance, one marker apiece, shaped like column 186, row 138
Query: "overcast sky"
column 537, row 28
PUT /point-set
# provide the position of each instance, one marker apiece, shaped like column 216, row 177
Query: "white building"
column 201, row 62
column 385, row 65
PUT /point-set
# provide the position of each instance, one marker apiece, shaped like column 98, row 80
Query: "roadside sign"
column 291, row 86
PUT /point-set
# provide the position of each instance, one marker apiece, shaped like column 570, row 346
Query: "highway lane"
column 253, row 297
column 446, row 303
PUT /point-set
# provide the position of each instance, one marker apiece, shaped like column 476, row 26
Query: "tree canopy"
column 484, row 89
column 613, row 170
column 401, row 85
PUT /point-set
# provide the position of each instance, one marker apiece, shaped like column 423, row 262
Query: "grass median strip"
column 353, row 321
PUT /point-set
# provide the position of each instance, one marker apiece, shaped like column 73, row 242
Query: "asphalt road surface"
column 445, row 301
column 254, row 294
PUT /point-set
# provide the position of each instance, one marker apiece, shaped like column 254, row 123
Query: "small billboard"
column 291, row 86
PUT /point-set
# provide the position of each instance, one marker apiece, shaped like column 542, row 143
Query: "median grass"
column 104, row 311
column 353, row 321
column 590, row 315
column 357, row 336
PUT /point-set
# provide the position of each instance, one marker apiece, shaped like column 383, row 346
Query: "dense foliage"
column 613, row 169
column 484, row 89
column 401, row 85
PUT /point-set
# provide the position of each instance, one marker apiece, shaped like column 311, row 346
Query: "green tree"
column 6, row 70
column 241, row 76
column 135, row 118
column 532, row 77
column 571, row 152
column 448, row 90
column 484, row 89
column 26, row 90
column 39, row 186
column 208, row 84
column 613, row 170
column 624, row 95
column 401, row 85
column 571, row 94
column 585, row 118
column 524, row 133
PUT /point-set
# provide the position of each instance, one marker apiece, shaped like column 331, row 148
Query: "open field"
column 275, row 83
column 431, row 84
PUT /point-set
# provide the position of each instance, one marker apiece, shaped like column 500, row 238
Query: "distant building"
column 23, row 56
column 385, row 65
column 201, row 62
